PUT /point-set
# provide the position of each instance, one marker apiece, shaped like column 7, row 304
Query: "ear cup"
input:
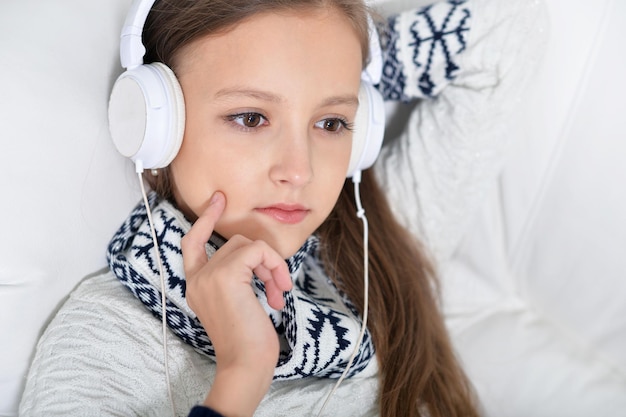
column 147, row 115
column 369, row 129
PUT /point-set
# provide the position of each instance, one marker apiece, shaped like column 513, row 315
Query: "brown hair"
column 419, row 373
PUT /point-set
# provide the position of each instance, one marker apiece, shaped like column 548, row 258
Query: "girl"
column 270, row 91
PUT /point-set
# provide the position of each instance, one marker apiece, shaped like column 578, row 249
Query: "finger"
column 193, row 243
column 275, row 285
column 272, row 269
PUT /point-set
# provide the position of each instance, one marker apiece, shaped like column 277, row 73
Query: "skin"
column 265, row 106
column 263, row 160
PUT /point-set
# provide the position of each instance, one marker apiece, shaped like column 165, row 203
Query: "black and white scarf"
column 318, row 327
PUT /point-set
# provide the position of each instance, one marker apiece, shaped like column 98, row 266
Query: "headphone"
column 147, row 109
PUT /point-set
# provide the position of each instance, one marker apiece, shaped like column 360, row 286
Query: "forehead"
column 319, row 41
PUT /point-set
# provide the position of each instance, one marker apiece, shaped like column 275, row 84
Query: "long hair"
column 419, row 374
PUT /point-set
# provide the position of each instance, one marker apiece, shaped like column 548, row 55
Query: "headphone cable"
column 360, row 213
column 139, row 170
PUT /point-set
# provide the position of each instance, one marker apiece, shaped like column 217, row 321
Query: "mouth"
column 285, row 213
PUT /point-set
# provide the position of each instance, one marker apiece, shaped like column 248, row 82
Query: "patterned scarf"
column 318, row 327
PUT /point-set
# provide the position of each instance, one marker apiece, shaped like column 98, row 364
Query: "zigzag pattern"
column 393, row 81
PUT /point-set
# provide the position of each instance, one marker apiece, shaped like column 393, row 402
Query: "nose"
column 292, row 162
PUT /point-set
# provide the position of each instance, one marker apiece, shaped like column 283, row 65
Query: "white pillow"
column 65, row 188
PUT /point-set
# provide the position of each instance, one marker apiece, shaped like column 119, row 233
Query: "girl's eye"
column 333, row 125
column 248, row 120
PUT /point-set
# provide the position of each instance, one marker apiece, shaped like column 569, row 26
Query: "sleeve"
column 437, row 169
column 421, row 49
column 202, row 411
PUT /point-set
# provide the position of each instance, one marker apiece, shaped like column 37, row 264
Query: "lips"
column 285, row 213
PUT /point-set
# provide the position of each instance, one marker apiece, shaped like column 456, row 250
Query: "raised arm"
column 469, row 61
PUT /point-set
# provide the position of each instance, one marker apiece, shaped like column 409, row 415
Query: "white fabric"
column 58, row 162
column 126, row 343
column 534, row 293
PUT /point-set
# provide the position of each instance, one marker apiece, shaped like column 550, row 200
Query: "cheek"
column 334, row 175
column 193, row 178
column 337, row 160
column 197, row 172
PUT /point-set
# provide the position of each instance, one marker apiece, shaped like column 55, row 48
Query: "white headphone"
column 147, row 109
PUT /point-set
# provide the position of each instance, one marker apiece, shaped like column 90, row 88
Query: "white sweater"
column 101, row 355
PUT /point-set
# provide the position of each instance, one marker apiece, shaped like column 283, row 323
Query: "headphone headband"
column 132, row 49
column 373, row 72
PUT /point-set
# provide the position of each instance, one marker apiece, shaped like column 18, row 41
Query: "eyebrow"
column 346, row 99
column 246, row 92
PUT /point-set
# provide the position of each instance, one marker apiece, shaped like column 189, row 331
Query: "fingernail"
column 214, row 197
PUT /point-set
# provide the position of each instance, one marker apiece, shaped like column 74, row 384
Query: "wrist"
column 237, row 392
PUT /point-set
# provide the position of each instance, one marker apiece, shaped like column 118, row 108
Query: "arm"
column 438, row 169
column 219, row 292
column 202, row 411
column 86, row 361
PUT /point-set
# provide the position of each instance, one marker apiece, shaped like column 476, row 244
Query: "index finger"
column 193, row 243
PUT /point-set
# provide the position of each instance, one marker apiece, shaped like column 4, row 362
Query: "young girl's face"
column 269, row 105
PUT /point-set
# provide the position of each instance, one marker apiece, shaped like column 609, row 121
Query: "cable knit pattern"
column 101, row 355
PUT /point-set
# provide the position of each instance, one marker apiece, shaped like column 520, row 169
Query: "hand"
column 219, row 292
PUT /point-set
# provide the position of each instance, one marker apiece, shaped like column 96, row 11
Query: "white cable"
column 360, row 213
column 139, row 170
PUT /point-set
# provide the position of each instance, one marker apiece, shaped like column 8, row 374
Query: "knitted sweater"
column 101, row 355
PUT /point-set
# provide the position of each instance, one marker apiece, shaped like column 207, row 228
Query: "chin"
column 285, row 241
column 286, row 250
